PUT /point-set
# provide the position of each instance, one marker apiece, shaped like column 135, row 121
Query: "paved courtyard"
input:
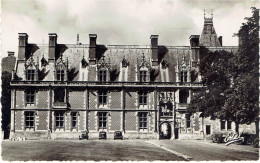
column 124, row 150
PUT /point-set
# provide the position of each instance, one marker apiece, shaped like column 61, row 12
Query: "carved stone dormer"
column 83, row 75
column 44, row 62
column 143, row 70
column 183, row 71
column 103, row 69
column 31, row 69
column 165, row 64
column 84, row 63
column 61, row 69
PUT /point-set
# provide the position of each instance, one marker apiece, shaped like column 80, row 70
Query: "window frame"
column 31, row 74
column 222, row 125
column 57, row 98
column 31, row 122
column 74, row 115
column 229, row 125
column 102, row 120
column 188, row 121
column 143, row 75
column 102, row 75
column 61, row 118
column 60, row 75
column 102, row 96
column 143, row 121
column 142, row 98
column 30, row 97
column 181, row 96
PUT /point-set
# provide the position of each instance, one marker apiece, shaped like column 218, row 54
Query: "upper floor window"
column 60, row 75
column 183, row 96
column 102, row 97
column 142, row 98
column 143, row 75
column 184, row 76
column 59, row 95
column 142, row 121
column 31, row 74
column 30, row 97
column 102, row 75
column 29, row 120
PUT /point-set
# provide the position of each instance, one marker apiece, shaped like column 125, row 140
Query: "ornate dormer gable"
column 84, row 63
column 103, row 69
column 31, row 69
column 143, row 70
column 44, row 62
column 164, row 64
column 61, row 69
column 124, row 63
column 166, row 104
column 183, row 71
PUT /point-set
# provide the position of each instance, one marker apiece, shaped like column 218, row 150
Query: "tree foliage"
column 232, row 79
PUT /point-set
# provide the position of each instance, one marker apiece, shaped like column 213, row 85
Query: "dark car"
column 102, row 135
column 118, row 135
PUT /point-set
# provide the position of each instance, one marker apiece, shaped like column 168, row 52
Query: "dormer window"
column 31, row 74
column 184, row 76
column 102, row 75
column 143, row 75
column 60, row 75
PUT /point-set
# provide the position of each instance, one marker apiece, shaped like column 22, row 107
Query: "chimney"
column 154, row 47
column 194, row 41
column 220, row 40
column 23, row 42
column 10, row 53
column 52, row 45
column 92, row 48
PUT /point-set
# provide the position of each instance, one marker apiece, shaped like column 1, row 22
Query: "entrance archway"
column 165, row 130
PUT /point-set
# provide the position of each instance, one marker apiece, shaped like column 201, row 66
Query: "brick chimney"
column 10, row 53
column 92, row 48
column 154, row 47
column 52, row 45
column 23, row 42
column 194, row 47
column 194, row 41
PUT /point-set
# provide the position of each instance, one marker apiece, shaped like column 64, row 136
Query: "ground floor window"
column 229, row 125
column 142, row 121
column 59, row 119
column 74, row 119
column 222, row 124
column 102, row 120
column 29, row 120
column 188, row 120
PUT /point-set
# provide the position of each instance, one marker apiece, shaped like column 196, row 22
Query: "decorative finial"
column 67, row 62
column 212, row 13
column 77, row 38
column 143, row 57
column 204, row 14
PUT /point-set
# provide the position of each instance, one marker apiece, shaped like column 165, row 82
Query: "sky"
column 119, row 22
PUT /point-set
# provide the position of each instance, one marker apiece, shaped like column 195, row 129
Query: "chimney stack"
column 194, row 41
column 10, row 53
column 92, row 48
column 52, row 46
column 23, row 42
column 154, row 47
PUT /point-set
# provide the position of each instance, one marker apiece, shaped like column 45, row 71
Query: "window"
column 60, row 75
column 102, row 120
column 142, row 98
column 102, row 76
column 143, row 75
column 183, row 96
column 222, row 125
column 74, row 119
column 31, row 74
column 30, row 95
column 142, row 121
column 59, row 119
column 59, row 95
column 229, row 125
column 29, row 120
column 184, row 76
column 102, row 98
column 188, row 120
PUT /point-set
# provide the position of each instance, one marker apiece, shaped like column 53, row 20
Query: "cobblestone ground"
column 97, row 150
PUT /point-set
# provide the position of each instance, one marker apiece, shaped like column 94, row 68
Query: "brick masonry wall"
column 115, row 100
column 130, row 121
column 92, row 99
column 20, row 99
column 67, row 117
column 77, row 99
column 115, row 121
column 19, row 120
column 82, row 120
column 43, row 119
column 42, row 99
column 92, row 121
column 131, row 100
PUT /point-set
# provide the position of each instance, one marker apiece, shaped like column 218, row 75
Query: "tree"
column 232, row 79
column 6, row 102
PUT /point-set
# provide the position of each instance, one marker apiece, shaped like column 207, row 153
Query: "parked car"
column 102, row 135
column 118, row 135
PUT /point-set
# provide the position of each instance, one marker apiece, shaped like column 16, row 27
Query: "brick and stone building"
column 61, row 90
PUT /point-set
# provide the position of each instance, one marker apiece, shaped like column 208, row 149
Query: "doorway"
column 208, row 129
column 165, row 131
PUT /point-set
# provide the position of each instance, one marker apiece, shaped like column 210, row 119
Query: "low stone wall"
column 26, row 135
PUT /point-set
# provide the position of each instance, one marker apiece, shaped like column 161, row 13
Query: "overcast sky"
column 119, row 22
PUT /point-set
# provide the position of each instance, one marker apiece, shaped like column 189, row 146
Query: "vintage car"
column 118, row 135
column 102, row 135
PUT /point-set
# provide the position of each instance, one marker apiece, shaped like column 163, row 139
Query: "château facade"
column 63, row 90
